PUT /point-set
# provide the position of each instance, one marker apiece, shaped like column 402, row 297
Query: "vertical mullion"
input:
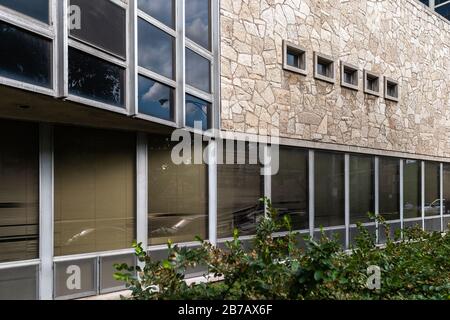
column 215, row 25
column 60, row 56
column 212, row 191
column 347, row 199
column 132, row 57
column 401, row 197
column 311, row 191
column 46, row 211
column 142, row 189
column 422, row 193
column 441, row 194
column 377, row 195
column 180, row 63
column 267, row 173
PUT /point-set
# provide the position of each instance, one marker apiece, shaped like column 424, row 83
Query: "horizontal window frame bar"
column 208, row 97
column 28, row 86
column 143, row 116
column 19, row 264
column 92, row 255
column 156, row 23
column 25, row 22
column 82, row 46
column 156, row 77
column 96, row 104
column 191, row 45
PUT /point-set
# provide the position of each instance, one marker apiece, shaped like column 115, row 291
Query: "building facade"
column 353, row 95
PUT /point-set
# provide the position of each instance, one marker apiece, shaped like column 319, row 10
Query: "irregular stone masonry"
column 400, row 39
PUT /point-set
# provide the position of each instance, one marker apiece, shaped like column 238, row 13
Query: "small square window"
column 371, row 83
column 349, row 76
column 324, row 68
column 294, row 58
column 391, row 89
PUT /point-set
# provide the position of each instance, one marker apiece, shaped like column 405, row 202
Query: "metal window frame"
column 91, row 49
column 42, row 29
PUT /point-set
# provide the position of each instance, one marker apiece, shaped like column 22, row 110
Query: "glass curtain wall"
column 362, row 188
column 329, row 189
column 95, row 190
column 412, row 201
column 19, row 191
column 177, row 195
column 239, row 187
column 290, row 186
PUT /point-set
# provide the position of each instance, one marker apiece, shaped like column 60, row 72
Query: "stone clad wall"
column 398, row 38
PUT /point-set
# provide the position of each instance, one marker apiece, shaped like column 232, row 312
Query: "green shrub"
column 416, row 267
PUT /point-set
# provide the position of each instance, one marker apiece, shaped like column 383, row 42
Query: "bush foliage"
column 415, row 267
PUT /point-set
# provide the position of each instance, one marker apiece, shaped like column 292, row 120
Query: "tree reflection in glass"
column 96, row 79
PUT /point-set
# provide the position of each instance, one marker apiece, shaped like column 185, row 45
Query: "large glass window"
column 94, row 78
column 156, row 99
column 290, row 186
column 389, row 188
column 362, row 185
column 198, row 71
column 103, row 25
column 432, row 189
column 239, row 187
column 412, row 189
column 94, row 190
column 162, row 10
column 25, row 56
column 177, row 195
column 197, row 110
column 19, row 191
column 329, row 189
column 198, row 26
column 156, row 49
column 37, row 9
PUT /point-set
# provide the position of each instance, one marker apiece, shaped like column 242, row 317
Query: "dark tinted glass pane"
column 96, row 79
column 444, row 10
column 94, row 190
column 362, row 187
column 198, row 71
column 446, row 190
column 156, row 49
column 432, row 189
column 293, row 59
column 290, row 187
column 25, row 56
column 177, row 195
column 198, row 22
column 19, row 191
column 155, row 99
column 197, row 110
column 389, row 188
column 426, row 2
column 37, row 9
column 411, row 189
column 329, row 189
column 163, row 10
column 436, row 2
column 103, row 24
column 239, row 188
